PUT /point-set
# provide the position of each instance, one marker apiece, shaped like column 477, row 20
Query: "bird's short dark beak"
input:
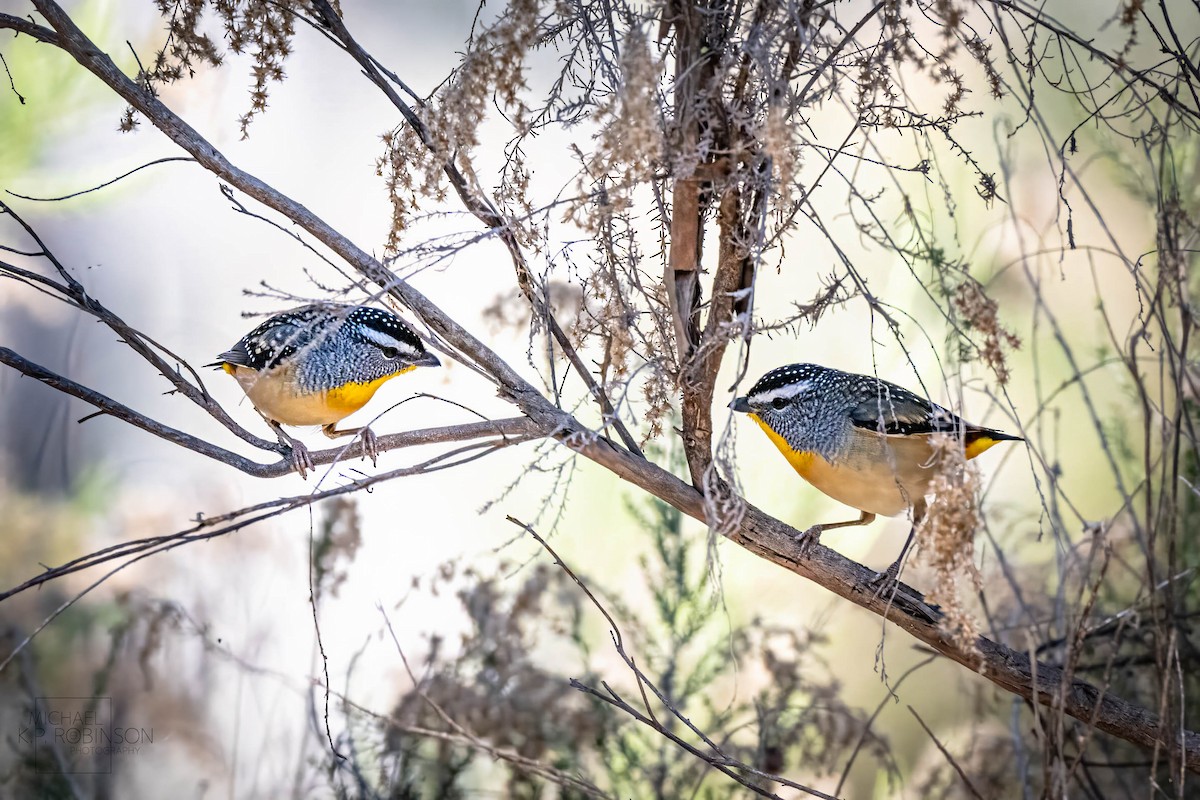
column 427, row 360
column 741, row 404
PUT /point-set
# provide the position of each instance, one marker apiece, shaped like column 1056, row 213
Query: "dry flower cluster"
column 263, row 28
column 946, row 536
column 492, row 71
column 980, row 314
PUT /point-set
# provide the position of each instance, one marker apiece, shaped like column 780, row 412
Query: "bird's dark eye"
column 390, row 352
column 778, row 403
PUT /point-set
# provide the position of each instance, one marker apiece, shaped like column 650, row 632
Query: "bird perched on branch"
column 861, row 440
column 318, row 364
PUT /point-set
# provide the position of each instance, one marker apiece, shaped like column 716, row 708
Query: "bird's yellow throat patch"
column 351, row 397
column 801, row 462
column 979, row 444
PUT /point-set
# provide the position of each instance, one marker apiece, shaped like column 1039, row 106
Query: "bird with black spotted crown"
column 318, row 364
column 863, row 441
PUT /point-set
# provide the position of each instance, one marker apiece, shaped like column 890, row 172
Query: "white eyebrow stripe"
column 787, row 391
column 387, row 340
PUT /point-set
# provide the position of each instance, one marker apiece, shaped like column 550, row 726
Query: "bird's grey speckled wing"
column 274, row 340
column 890, row 409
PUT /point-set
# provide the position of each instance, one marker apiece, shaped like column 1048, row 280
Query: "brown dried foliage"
column 946, row 536
column 492, row 72
column 264, row 28
column 980, row 314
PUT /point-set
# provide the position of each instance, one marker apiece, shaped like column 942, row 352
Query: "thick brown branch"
column 693, row 73
column 693, row 97
column 682, row 276
column 700, row 373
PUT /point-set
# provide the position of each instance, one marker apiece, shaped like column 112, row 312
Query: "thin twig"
column 102, row 185
column 949, row 758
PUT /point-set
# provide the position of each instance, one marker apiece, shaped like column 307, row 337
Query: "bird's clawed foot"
column 301, row 460
column 887, row 582
column 370, row 442
column 370, row 445
column 808, row 539
column 888, row 587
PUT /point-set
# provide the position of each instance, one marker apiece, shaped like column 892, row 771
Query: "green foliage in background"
column 38, row 86
column 763, row 694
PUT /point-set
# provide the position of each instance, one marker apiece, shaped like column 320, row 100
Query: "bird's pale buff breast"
column 883, row 475
column 278, row 396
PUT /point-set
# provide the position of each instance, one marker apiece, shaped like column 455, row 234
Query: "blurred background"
column 212, row 650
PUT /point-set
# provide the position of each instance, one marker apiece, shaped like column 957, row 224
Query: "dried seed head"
column 946, row 535
column 978, row 312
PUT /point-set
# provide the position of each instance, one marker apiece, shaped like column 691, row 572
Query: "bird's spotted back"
column 282, row 336
column 867, row 401
column 275, row 340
